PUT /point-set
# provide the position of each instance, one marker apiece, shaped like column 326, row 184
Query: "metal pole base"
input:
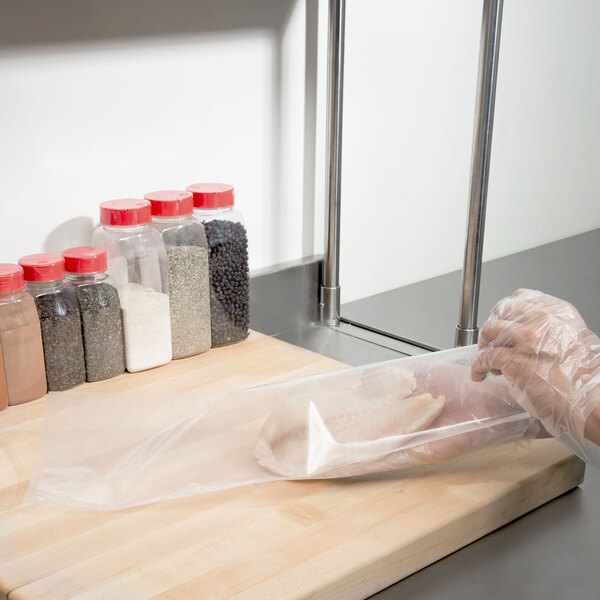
column 466, row 337
column 330, row 306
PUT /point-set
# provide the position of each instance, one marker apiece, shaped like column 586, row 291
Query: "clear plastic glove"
column 543, row 347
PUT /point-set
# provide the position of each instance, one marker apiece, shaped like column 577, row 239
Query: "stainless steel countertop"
column 427, row 311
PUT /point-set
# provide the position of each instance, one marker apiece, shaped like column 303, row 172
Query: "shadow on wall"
column 71, row 233
column 31, row 23
column 37, row 22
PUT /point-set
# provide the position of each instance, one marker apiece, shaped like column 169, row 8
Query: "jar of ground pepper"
column 58, row 311
column 228, row 261
column 100, row 312
column 137, row 264
column 187, row 270
column 22, row 370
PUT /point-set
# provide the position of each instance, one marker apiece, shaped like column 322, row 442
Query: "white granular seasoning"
column 146, row 326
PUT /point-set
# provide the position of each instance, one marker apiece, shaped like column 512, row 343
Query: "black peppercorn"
column 228, row 261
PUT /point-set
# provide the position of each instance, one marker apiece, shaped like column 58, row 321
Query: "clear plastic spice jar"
column 187, row 270
column 137, row 264
column 58, row 311
column 228, row 261
column 22, row 370
column 100, row 312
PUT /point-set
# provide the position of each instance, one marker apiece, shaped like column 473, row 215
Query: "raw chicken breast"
column 310, row 436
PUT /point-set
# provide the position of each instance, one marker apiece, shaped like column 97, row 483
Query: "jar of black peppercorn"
column 228, row 261
column 58, row 311
column 100, row 312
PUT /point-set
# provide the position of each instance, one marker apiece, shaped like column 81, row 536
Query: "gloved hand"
column 542, row 345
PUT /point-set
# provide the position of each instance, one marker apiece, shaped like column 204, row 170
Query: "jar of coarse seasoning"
column 100, row 312
column 228, row 261
column 57, row 308
column 22, row 371
column 187, row 270
column 137, row 264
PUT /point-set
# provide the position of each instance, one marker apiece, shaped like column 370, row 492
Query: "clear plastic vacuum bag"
column 117, row 450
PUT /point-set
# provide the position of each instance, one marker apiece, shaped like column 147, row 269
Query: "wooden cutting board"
column 313, row 539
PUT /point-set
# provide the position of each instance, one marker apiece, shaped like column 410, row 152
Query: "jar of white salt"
column 137, row 264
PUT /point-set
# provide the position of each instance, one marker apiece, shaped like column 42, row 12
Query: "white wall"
column 105, row 100
column 411, row 71
column 83, row 121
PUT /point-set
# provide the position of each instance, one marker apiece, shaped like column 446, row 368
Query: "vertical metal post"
column 467, row 331
column 330, row 290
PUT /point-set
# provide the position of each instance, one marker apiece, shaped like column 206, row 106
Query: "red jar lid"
column 125, row 211
column 171, row 203
column 43, row 267
column 85, row 259
column 11, row 278
column 212, row 195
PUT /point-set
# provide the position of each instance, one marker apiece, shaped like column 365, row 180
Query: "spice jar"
column 57, row 308
column 187, row 270
column 137, row 264
column 100, row 312
column 22, row 370
column 228, row 261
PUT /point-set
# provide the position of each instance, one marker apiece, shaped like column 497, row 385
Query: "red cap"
column 11, row 278
column 171, row 203
column 43, row 267
column 124, row 212
column 85, row 259
column 212, row 195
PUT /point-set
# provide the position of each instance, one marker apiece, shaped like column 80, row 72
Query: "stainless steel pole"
column 467, row 331
column 330, row 290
